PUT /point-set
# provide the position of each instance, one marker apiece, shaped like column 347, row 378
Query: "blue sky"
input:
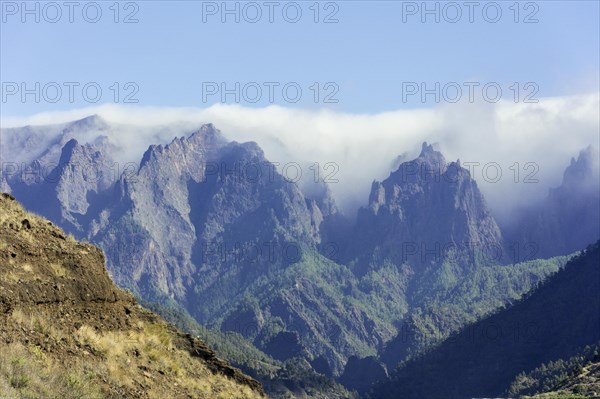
column 171, row 55
column 366, row 61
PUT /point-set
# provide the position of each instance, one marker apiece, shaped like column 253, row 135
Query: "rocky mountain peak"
column 75, row 153
column 581, row 172
column 431, row 156
column 207, row 133
column 66, row 188
column 68, row 151
column 321, row 193
column 85, row 129
column 568, row 217
column 199, row 146
column 95, row 122
column 429, row 166
column 425, row 203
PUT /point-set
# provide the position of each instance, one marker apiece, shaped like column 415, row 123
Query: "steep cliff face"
column 146, row 230
column 211, row 223
column 70, row 190
column 65, row 326
column 214, row 225
column 199, row 208
column 569, row 218
column 424, row 212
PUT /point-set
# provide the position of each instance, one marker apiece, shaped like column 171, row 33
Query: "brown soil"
column 56, row 296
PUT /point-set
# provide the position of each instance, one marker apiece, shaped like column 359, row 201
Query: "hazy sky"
column 361, row 53
column 352, row 82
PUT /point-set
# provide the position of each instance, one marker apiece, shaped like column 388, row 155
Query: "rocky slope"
column 67, row 331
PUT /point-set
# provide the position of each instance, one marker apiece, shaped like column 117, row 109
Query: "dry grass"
column 10, row 276
column 151, row 350
column 15, row 271
column 142, row 358
column 27, row 267
column 37, row 323
column 59, row 270
column 28, row 372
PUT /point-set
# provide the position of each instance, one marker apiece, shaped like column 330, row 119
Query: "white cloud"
column 364, row 146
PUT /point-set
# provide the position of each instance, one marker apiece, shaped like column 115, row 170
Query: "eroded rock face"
column 421, row 211
column 70, row 190
column 42, row 265
column 210, row 223
column 196, row 206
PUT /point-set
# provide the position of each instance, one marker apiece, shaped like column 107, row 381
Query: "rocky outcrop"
column 195, row 205
column 71, row 190
column 422, row 212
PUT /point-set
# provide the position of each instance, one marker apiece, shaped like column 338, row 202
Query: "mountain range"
column 214, row 233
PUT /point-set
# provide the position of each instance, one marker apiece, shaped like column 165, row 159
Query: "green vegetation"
column 288, row 379
column 28, row 372
column 449, row 301
column 325, row 295
column 574, row 377
column 552, row 321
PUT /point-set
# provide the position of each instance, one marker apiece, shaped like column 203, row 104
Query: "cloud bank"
column 528, row 144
